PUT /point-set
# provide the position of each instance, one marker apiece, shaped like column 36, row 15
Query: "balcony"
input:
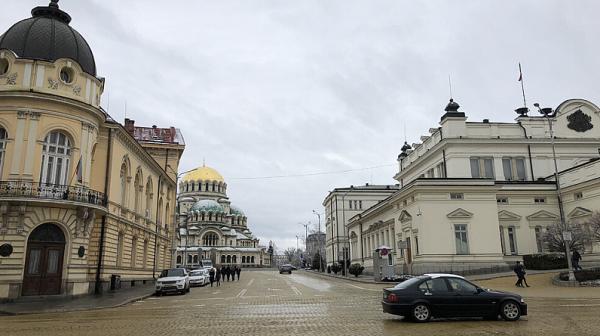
column 26, row 189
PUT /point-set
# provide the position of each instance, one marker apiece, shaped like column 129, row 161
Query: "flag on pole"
column 520, row 73
column 79, row 172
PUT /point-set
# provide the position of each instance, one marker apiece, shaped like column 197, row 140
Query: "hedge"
column 545, row 261
column 582, row 275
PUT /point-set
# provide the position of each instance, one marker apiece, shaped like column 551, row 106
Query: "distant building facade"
column 80, row 198
column 476, row 196
column 211, row 227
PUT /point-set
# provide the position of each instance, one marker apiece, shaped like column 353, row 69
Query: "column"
column 15, row 166
column 82, row 150
column 31, row 140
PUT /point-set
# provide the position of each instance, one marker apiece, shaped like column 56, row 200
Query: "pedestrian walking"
column 232, row 273
column 523, row 274
column 238, row 270
column 218, row 277
column 518, row 271
column 576, row 259
column 227, row 273
column 211, row 275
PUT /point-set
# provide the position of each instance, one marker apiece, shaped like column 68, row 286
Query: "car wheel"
column 510, row 310
column 421, row 313
column 280, row 272
column 188, row 289
column 157, row 293
column 290, row 272
column 183, row 291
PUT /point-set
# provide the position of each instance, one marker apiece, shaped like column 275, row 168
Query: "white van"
column 207, row 263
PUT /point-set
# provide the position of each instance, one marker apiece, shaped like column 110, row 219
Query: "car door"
column 468, row 300
column 438, row 294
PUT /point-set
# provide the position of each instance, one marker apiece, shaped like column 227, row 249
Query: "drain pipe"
column 156, row 228
column 529, row 151
column 98, row 285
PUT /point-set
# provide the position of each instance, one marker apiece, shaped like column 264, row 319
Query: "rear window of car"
column 407, row 283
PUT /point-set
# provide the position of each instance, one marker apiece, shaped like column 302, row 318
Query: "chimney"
column 129, row 125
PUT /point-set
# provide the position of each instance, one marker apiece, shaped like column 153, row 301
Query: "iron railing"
column 52, row 191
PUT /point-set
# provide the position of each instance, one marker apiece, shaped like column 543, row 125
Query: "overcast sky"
column 285, row 88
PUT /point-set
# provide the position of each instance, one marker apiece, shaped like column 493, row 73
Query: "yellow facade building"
column 81, row 196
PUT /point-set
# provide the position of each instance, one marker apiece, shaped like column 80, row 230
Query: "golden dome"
column 203, row 173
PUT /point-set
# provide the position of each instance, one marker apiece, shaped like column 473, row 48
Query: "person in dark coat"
column 238, row 270
column 576, row 259
column 212, row 274
column 227, row 273
column 218, row 277
column 232, row 273
column 519, row 271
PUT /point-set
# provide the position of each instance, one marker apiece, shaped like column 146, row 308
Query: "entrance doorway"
column 408, row 251
column 44, row 261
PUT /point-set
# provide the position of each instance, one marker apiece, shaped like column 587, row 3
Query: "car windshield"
column 172, row 273
column 196, row 273
column 407, row 283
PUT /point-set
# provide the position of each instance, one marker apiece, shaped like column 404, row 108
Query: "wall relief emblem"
column 77, row 90
column 580, row 122
column 12, row 79
column 53, row 83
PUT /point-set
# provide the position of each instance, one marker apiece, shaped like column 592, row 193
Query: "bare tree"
column 554, row 236
column 594, row 225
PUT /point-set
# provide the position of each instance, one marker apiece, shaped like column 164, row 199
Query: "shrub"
column 582, row 275
column 397, row 278
column 356, row 269
column 335, row 268
column 545, row 261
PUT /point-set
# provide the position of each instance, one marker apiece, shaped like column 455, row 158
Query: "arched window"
column 137, row 193
column 222, row 259
column 120, row 242
column 134, row 252
column 123, row 181
column 234, row 259
column 252, row 260
column 148, row 198
column 243, row 259
column 160, row 214
column 3, row 136
column 56, row 155
column 210, row 239
column 179, row 259
column 167, row 209
column 189, row 258
column 145, row 254
column 195, row 259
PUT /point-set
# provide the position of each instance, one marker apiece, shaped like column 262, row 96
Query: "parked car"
column 285, row 268
column 449, row 295
column 173, row 280
column 199, row 277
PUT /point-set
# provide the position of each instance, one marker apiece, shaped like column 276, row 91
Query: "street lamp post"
column 345, row 234
column 545, row 112
column 175, row 224
column 305, row 236
column 319, row 240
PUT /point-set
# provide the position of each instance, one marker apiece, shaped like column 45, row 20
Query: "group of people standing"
column 216, row 274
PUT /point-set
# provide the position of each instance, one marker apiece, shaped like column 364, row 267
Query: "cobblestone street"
column 267, row 303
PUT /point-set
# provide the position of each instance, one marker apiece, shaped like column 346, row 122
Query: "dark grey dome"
column 48, row 36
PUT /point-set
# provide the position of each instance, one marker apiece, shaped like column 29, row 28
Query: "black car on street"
column 449, row 295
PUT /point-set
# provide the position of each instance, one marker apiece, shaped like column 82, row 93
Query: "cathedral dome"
column 207, row 205
column 236, row 211
column 203, row 173
column 47, row 36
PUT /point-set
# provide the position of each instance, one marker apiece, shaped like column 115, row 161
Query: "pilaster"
column 18, row 146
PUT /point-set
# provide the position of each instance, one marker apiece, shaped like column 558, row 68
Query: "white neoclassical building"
column 476, row 196
column 211, row 227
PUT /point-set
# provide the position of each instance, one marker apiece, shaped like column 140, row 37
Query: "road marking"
column 199, row 305
column 250, row 283
column 319, row 295
column 580, row 305
column 273, row 289
column 296, row 290
column 369, row 289
column 243, row 303
column 241, row 293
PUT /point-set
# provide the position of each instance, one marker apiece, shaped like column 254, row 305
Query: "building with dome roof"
column 82, row 197
column 211, row 227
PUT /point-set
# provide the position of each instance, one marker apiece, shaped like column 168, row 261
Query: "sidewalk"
column 89, row 302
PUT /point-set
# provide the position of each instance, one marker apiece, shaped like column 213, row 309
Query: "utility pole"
column 319, row 240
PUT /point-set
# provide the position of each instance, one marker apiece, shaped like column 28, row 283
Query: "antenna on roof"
column 126, row 109
column 450, row 85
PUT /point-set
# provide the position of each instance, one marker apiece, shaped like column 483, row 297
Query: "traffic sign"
column 384, row 251
column 567, row 235
column 402, row 245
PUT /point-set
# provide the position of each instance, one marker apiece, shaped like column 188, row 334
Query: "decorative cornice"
column 34, row 115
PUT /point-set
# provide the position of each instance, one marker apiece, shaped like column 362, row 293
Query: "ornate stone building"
column 81, row 198
column 211, row 227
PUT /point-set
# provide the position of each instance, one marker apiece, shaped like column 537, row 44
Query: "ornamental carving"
column 53, row 84
column 77, row 90
column 580, row 122
column 12, row 79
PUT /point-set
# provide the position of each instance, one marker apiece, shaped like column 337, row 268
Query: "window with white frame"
column 502, row 200
column 3, row 136
column 577, row 196
column 512, row 241
column 360, row 205
column 456, row 196
column 482, row 167
column 350, row 205
column 462, row 242
column 355, row 205
column 539, row 200
column 514, row 168
column 56, row 155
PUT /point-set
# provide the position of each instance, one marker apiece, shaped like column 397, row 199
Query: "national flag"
column 520, row 73
column 79, row 171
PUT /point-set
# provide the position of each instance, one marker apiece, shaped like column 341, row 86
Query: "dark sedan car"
column 286, row 268
column 448, row 295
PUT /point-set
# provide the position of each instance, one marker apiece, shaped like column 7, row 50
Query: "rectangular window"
column 456, row 196
column 502, row 200
column 502, row 240
column 360, row 205
column 539, row 200
column 520, row 162
column 355, row 205
column 405, row 202
column 462, row 244
column 512, row 241
column 390, row 260
column 350, row 205
column 488, row 166
column 417, row 244
column 578, row 196
column 507, row 167
column 475, row 173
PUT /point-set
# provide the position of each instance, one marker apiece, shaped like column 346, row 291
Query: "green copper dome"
column 208, row 206
column 236, row 211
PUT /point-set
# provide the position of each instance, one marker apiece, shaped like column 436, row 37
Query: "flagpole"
column 522, row 87
column 77, row 168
